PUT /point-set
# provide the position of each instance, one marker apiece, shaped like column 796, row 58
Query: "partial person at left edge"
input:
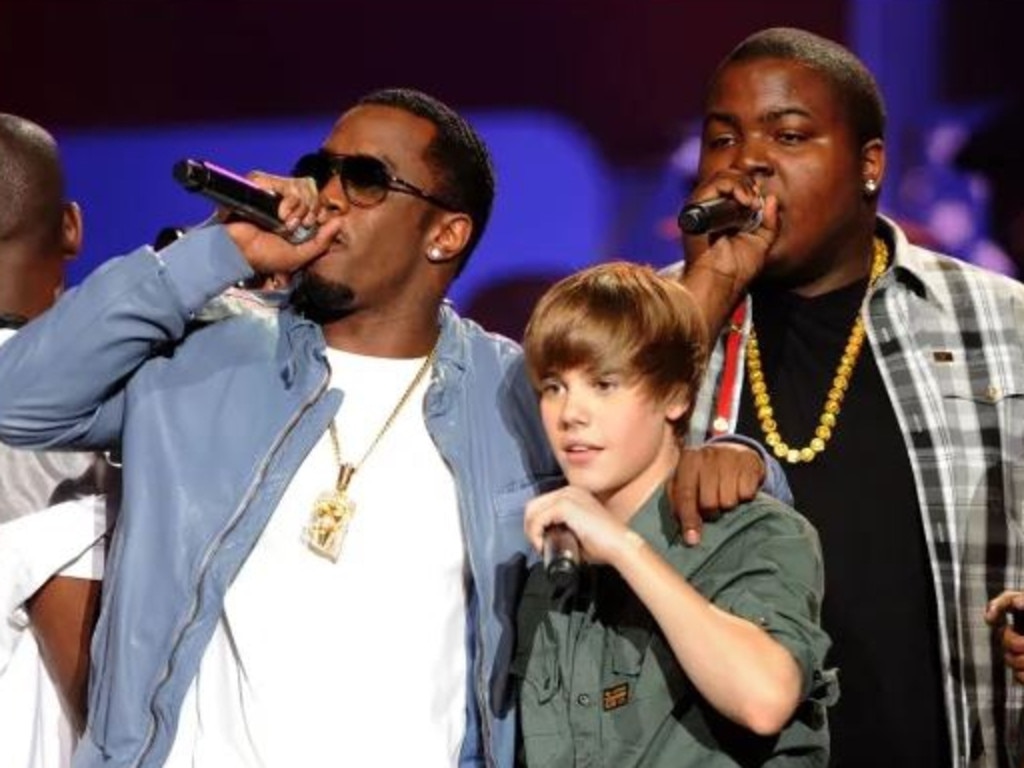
column 51, row 519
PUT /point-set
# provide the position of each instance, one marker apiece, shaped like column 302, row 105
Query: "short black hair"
column 31, row 182
column 457, row 155
column 857, row 88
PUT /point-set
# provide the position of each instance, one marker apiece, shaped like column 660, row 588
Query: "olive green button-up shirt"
column 600, row 686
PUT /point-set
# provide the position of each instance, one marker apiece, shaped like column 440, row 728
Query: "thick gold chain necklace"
column 333, row 510
column 841, row 382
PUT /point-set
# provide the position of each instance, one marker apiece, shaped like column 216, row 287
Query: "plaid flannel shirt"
column 949, row 342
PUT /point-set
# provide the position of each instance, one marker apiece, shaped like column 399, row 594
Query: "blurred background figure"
column 994, row 152
column 504, row 305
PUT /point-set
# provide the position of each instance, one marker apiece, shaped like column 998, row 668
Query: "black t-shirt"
column 859, row 493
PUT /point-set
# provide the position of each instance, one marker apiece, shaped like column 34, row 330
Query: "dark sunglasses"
column 365, row 179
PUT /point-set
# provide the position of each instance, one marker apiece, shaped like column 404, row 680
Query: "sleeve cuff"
column 202, row 264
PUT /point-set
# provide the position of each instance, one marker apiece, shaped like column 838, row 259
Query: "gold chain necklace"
column 841, row 382
column 333, row 510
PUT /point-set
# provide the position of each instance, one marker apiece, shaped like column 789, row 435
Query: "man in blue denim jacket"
column 365, row 454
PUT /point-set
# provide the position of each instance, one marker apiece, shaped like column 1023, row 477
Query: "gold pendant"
column 328, row 522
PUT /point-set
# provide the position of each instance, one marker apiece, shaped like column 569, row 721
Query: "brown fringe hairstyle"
column 621, row 318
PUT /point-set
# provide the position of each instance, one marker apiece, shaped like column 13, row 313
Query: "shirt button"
column 583, row 700
column 993, row 392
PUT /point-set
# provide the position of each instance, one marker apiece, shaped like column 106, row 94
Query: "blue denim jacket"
column 213, row 420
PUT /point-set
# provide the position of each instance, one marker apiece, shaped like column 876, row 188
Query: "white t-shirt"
column 67, row 540
column 359, row 662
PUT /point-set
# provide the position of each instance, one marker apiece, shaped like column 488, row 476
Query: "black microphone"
column 561, row 555
column 720, row 214
column 238, row 195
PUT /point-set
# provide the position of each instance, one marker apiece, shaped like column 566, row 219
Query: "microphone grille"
column 190, row 174
column 693, row 220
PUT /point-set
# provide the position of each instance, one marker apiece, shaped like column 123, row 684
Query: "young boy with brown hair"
column 662, row 654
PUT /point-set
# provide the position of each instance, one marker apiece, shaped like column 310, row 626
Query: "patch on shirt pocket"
column 615, row 696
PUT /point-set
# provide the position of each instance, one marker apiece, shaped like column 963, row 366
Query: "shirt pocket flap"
column 627, row 648
column 961, row 379
column 536, row 664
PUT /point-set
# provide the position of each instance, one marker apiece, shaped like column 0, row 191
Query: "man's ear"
column 71, row 230
column 448, row 237
column 872, row 166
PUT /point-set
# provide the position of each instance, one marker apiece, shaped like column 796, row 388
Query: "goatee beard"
column 320, row 300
